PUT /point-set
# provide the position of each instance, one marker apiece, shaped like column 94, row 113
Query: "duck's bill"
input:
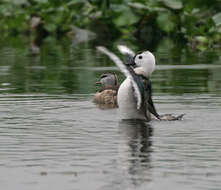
column 98, row 83
column 130, row 61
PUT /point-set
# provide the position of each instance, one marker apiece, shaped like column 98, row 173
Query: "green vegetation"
column 198, row 22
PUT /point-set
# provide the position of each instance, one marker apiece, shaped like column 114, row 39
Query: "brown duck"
column 106, row 97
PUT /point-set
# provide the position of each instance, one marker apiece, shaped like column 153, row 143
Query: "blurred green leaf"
column 41, row 1
column 126, row 18
column 173, row 4
column 217, row 19
column 50, row 27
column 74, row 2
column 202, row 39
column 164, row 22
column 138, row 6
column 19, row 2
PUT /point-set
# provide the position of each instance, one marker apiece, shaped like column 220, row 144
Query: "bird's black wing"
column 150, row 105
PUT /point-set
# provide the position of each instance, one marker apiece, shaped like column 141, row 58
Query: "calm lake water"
column 53, row 136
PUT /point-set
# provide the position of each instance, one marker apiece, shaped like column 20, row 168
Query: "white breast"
column 127, row 102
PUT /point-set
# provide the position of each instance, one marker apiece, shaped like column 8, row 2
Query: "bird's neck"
column 139, row 71
column 108, row 88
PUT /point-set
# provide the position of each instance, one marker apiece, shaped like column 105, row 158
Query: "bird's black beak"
column 98, row 83
column 130, row 61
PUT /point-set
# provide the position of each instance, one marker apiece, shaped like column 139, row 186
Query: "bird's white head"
column 144, row 63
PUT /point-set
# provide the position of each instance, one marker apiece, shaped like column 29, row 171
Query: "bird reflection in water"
column 135, row 151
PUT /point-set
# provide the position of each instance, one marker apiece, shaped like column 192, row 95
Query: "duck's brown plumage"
column 107, row 96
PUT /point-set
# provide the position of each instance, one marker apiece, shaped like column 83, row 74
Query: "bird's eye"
column 140, row 57
column 103, row 76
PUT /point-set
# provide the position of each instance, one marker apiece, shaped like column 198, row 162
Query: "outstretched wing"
column 125, row 50
column 128, row 72
column 129, row 54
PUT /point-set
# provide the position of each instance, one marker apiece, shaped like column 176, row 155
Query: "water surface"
column 53, row 136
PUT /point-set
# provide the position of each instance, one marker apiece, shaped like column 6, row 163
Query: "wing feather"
column 125, row 50
column 128, row 53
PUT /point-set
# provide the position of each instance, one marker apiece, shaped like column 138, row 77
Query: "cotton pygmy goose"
column 133, row 98
column 134, row 95
column 107, row 95
column 137, row 104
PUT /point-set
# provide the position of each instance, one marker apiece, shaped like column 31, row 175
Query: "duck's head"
column 143, row 63
column 108, row 80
